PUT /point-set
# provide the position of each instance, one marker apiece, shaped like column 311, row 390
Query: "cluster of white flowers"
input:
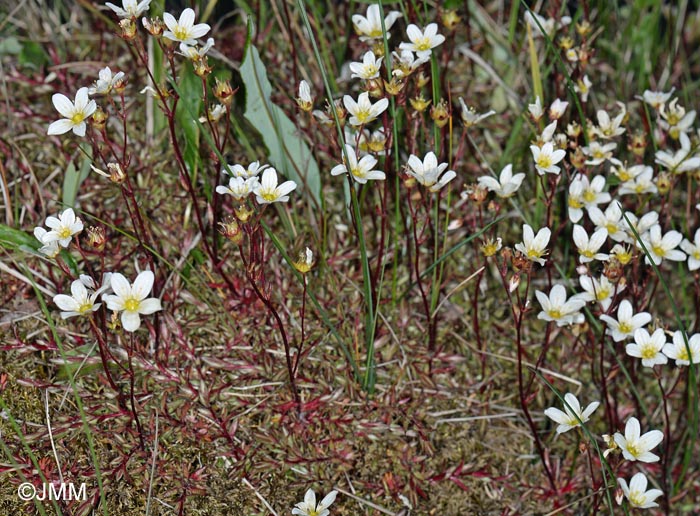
column 131, row 300
column 245, row 181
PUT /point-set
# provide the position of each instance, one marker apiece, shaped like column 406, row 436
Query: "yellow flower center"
column 358, row 172
column 625, row 327
column 647, row 351
column 624, row 175
column 658, row 250
column 422, row 44
column 131, row 304
column 673, row 119
column 363, row 116
column 587, row 253
column 637, row 499
column 554, row 313
column 575, row 202
column 589, row 195
column 544, row 161
column 375, row 33
column 611, row 227
column 77, row 118
column 64, row 232
column 534, row 253
column 181, row 33
column 683, row 354
column 696, row 254
column 598, row 154
column 602, row 293
column 84, row 307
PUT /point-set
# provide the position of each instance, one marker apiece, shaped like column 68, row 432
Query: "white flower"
column 427, row 172
column 656, row 98
column 535, row 109
column 549, row 25
column 660, row 248
column 506, row 184
column 636, row 446
column 583, row 86
column 305, row 100
column 49, row 249
column 267, row 191
column 239, row 187
column 588, row 247
column 607, row 127
column 572, row 416
column 637, row 494
column 184, row 29
column 600, row 290
column 675, row 120
column 546, row 158
column 360, row 170
column 641, row 226
column 611, row 220
column 214, row 113
column 557, row 109
column 556, row 308
column 585, row 194
column 648, row 347
column 79, row 302
column 129, row 8
column 368, row 68
column 641, row 182
column 106, row 81
column 253, row 170
column 692, row 249
column 132, row 300
column 469, row 115
column 363, row 111
column 678, row 352
column 406, row 63
column 422, row 42
column 309, row 508
column 534, row 247
column 627, row 322
column 196, row 53
column 370, row 27
column 598, row 153
column 681, row 160
column 548, row 132
column 625, row 173
column 62, row 228
column 74, row 114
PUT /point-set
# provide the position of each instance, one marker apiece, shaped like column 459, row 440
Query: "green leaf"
column 288, row 151
column 11, row 238
column 190, row 90
column 32, row 55
column 10, row 46
column 72, row 180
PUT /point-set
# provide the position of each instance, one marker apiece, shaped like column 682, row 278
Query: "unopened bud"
column 419, row 103
column 243, row 213
column 128, row 28
column 231, row 230
column 223, row 92
column 96, row 238
column 440, row 114
column 154, row 26
column 450, row 19
column 99, row 119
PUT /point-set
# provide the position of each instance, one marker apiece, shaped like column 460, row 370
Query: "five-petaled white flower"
column 239, row 187
column 610, row 127
column 80, row 302
column 656, row 99
column 571, row 416
column 132, row 300
column 637, row 494
column 427, row 172
column 63, row 228
column 692, row 249
column 601, row 290
column 598, row 153
column 506, row 184
column 106, row 81
column 237, row 170
column 627, row 322
column 648, row 347
column 557, row 109
column 588, row 247
column 422, row 42
column 556, row 308
column 678, row 352
column 130, row 8
column 194, row 52
column 635, row 446
column 583, row 86
column 360, row 170
column 546, row 158
column 370, row 27
column 75, row 113
column 184, row 30
column 662, row 247
column 368, row 68
column 534, row 247
column 267, row 191
column 309, row 508
column 405, row 63
column 681, row 160
column 363, row 111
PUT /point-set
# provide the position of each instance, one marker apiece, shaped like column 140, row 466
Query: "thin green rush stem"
column 368, row 380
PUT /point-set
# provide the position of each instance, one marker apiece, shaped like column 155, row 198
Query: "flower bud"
column 201, row 67
column 243, row 213
column 440, row 114
column 638, row 144
column 223, row 92
column 116, row 174
column 231, row 230
column 99, row 119
column 97, row 238
column 305, row 261
column 128, row 28
column 419, row 103
column 154, row 26
column 450, row 19
column 663, row 183
column 393, row 87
